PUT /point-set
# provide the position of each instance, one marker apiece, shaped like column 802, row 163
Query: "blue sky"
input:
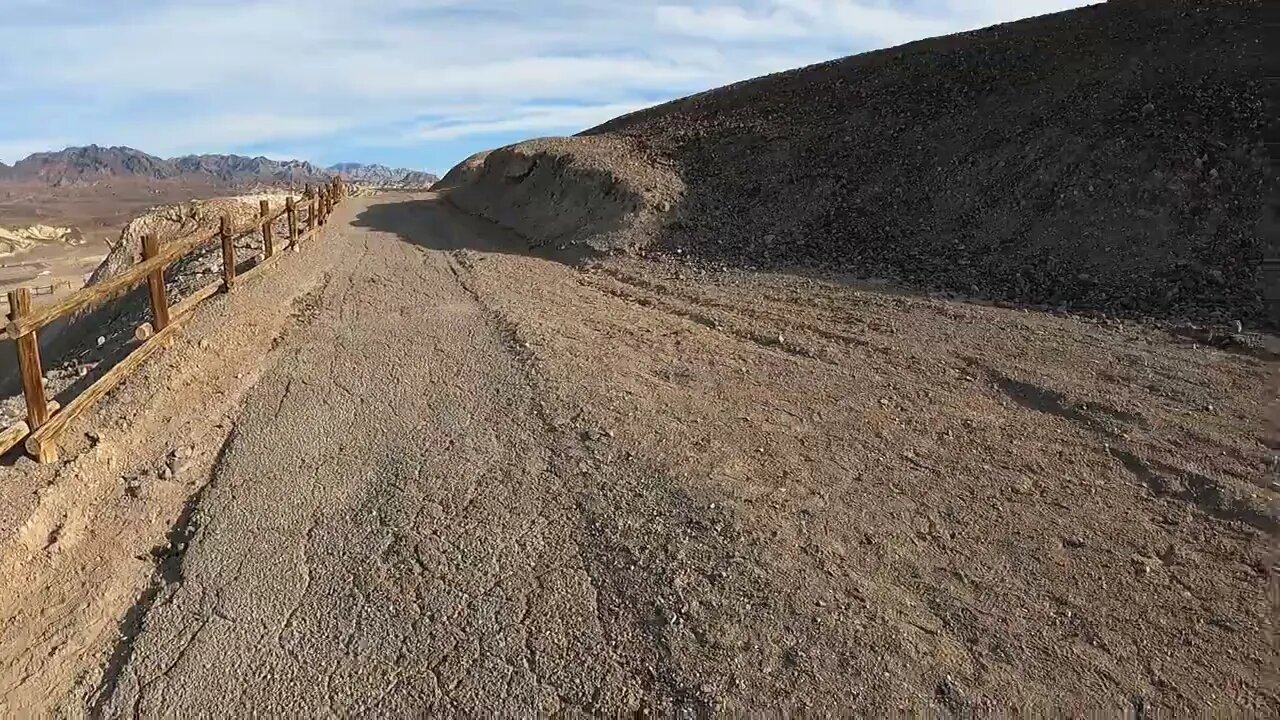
column 418, row 83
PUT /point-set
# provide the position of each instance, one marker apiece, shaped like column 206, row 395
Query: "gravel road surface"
column 426, row 471
column 388, row 529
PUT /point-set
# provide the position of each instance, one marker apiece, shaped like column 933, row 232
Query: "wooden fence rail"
column 39, row 290
column 45, row 421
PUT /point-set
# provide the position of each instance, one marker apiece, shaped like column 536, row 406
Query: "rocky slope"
column 1107, row 158
column 93, row 163
column 241, row 169
column 19, row 239
column 381, row 176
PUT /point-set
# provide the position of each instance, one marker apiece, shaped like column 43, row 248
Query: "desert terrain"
column 628, row 484
column 936, row 380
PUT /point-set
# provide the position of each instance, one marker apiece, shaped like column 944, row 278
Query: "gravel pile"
column 1106, row 158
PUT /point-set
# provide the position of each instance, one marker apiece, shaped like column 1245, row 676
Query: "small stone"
column 1142, row 564
column 94, row 436
column 1165, row 485
column 132, row 486
column 1073, row 542
column 101, row 341
column 165, row 472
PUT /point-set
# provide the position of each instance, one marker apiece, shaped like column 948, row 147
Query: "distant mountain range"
column 93, row 163
column 382, row 176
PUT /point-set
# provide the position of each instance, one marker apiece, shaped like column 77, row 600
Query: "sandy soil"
column 416, row 469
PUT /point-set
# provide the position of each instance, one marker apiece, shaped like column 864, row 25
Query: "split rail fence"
column 42, row 290
column 46, row 420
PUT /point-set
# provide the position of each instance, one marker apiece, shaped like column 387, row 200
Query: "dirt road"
column 461, row 478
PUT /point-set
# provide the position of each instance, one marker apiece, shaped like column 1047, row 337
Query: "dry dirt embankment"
column 1107, row 158
column 602, row 193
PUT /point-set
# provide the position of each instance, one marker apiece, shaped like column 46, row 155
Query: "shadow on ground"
column 433, row 223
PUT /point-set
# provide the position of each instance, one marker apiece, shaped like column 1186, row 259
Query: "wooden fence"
column 45, row 420
column 42, row 290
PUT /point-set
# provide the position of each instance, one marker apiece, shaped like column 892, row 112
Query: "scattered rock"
column 595, row 435
column 1143, row 564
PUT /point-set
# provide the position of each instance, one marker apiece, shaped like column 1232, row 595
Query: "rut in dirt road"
column 395, row 527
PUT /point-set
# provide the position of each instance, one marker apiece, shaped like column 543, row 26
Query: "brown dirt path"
column 469, row 480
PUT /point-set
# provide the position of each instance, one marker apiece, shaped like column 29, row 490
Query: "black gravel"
column 1106, row 158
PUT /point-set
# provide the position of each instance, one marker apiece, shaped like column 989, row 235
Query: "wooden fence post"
column 228, row 255
column 28, row 347
column 292, row 211
column 268, row 243
column 155, row 285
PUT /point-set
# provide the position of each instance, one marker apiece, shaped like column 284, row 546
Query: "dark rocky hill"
column 90, row 163
column 93, row 163
column 241, row 169
column 383, row 177
column 1106, row 158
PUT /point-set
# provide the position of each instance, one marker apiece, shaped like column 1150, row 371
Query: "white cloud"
column 13, row 150
column 532, row 118
column 193, row 75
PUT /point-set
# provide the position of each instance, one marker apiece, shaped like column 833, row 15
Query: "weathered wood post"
column 155, row 285
column 28, row 346
column 291, row 210
column 228, row 254
column 268, row 243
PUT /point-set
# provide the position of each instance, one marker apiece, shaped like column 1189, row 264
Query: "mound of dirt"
column 173, row 222
column 602, row 192
column 1105, row 158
